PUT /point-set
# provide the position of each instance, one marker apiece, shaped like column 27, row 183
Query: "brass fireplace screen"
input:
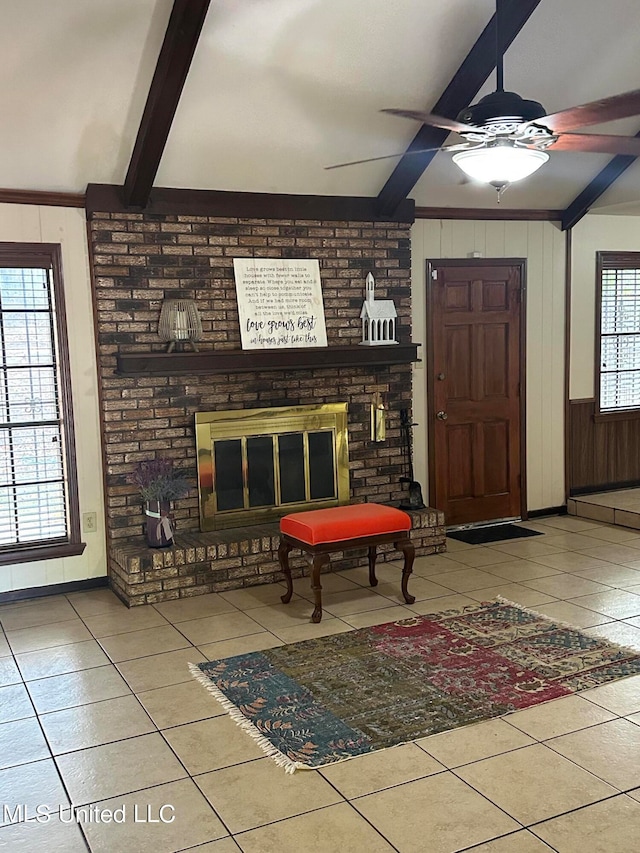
column 255, row 465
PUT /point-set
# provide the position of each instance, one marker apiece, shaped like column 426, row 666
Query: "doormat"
column 482, row 535
column 325, row 700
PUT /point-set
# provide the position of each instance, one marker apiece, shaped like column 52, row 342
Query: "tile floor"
column 98, row 710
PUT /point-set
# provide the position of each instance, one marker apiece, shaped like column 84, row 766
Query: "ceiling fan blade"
column 597, row 142
column 432, row 119
column 596, row 112
column 460, row 147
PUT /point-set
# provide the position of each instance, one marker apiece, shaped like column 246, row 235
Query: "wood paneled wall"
column 602, row 454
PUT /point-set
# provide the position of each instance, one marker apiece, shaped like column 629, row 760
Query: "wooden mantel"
column 243, row 361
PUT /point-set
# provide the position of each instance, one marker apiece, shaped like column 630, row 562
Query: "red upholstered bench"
column 339, row 528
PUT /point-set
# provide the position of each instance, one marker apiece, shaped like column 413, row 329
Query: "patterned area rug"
column 321, row 701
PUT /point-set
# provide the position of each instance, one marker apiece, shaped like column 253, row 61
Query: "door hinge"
column 434, row 274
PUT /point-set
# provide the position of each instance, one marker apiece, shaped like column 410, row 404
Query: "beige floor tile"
column 617, row 632
column 77, row 688
column 528, row 548
column 188, row 821
column 455, row 545
column 159, row 670
column 212, row 744
column 4, row 645
column 44, row 612
column 331, row 582
column 569, row 561
column 15, row 703
column 22, row 741
column 118, row 768
column 379, row 617
column 620, row 697
column 95, row 724
column 328, row 830
column 52, row 836
column 296, row 613
column 309, row 631
column 439, row 605
column 613, row 553
column 240, row 645
column 472, row 743
column 375, row 771
column 607, row 533
column 195, row 607
column 534, row 783
column 385, row 573
column 566, row 586
column 517, row 571
column 237, row 793
column 612, row 575
column 9, row 672
column 352, row 601
column 468, row 580
column 124, row 620
column 482, row 556
column 434, row 564
column 224, row 845
column 609, row 751
column 138, row 644
column 586, row 509
column 30, row 786
column 260, row 596
column 71, row 658
column 567, row 522
column 515, row 592
column 47, row 636
column 616, row 604
column 180, row 703
column 225, row 626
column 558, row 717
column 456, row 815
column 612, row 826
column 421, row 588
column 517, row 842
column 572, row 541
column 93, row 602
column 571, row 614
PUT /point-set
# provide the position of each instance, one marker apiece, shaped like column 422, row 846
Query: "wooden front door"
column 474, row 386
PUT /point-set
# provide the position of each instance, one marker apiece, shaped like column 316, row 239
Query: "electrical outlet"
column 89, row 522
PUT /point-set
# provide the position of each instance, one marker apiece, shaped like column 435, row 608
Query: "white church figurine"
column 378, row 318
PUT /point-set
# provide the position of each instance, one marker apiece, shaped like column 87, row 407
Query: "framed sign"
column 279, row 303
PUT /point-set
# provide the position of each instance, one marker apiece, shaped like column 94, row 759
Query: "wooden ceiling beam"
column 600, row 184
column 464, row 86
column 174, row 61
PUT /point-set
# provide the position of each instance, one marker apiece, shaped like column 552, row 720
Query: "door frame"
column 434, row 263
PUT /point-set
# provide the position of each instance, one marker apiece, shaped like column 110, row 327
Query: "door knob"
column 442, row 416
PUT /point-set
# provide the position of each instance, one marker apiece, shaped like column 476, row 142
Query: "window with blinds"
column 35, row 408
column 619, row 332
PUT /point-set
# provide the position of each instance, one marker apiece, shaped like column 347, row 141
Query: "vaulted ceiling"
column 279, row 89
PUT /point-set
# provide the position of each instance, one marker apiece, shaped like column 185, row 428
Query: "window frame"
column 604, row 261
column 49, row 256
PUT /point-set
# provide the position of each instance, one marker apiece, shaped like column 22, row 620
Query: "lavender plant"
column 158, row 480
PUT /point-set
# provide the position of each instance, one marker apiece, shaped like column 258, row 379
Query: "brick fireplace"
column 148, row 405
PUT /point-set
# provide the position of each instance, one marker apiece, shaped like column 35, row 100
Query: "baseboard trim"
column 52, row 589
column 549, row 510
column 604, row 487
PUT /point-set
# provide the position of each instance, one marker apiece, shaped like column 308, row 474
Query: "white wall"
column 592, row 234
column 33, row 224
column 543, row 246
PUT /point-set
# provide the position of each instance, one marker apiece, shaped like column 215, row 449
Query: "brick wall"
column 139, row 259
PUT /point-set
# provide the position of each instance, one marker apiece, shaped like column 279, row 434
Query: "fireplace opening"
column 259, row 464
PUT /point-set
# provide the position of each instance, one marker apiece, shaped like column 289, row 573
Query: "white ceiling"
column 278, row 89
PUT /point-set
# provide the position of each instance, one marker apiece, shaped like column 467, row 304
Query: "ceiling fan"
column 506, row 138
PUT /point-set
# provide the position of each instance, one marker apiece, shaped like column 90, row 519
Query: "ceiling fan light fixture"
column 502, row 164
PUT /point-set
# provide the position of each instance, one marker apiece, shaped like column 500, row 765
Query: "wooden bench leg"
column 409, row 551
column 318, row 561
column 283, row 559
column 373, row 580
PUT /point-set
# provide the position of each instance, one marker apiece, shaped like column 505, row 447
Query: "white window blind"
column 620, row 338
column 33, row 501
